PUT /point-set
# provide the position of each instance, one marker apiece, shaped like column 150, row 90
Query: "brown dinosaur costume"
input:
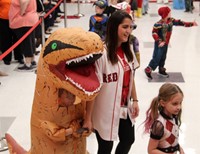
column 65, row 77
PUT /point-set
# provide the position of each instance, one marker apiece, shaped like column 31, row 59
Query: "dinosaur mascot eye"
column 66, row 80
column 54, row 46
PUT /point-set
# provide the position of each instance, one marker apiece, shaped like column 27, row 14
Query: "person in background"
column 189, row 6
column 135, row 43
column 7, row 37
column 109, row 9
column 145, row 7
column 161, row 33
column 22, row 16
column 116, row 106
column 98, row 22
column 38, row 30
column 163, row 120
column 134, row 6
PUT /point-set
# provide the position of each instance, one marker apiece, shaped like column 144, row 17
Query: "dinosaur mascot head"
column 66, row 79
column 67, row 59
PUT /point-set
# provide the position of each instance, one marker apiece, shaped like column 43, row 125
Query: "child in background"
column 135, row 43
column 163, row 119
column 125, row 6
column 161, row 33
column 145, row 7
column 99, row 21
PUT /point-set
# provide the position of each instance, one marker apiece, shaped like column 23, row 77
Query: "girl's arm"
column 152, row 147
column 181, row 150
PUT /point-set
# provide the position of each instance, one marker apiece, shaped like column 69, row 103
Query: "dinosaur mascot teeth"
column 66, row 79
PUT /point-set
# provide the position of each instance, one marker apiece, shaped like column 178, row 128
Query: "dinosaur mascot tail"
column 14, row 147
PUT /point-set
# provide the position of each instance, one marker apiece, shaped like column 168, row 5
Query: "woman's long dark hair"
column 111, row 40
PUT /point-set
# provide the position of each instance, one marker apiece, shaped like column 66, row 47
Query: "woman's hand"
column 161, row 44
column 88, row 124
column 135, row 109
column 88, row 117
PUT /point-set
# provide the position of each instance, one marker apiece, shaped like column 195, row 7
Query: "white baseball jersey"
column 106, row 113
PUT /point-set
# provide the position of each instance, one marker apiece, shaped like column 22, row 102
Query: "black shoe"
column 37, row 52
column 48, row 31
column 34, row 64
column 148, row 72
column 187, row 11
column 26, row 68
column 162, row 72
column 7, row 62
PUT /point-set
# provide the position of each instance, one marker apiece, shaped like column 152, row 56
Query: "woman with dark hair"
column 116, row 106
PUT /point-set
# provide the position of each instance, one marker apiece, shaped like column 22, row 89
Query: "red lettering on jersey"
column 114, row 76
column 104, row 78
column 110, row 77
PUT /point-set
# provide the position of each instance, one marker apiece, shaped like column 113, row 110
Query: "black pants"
column 188, row 5
column 7, row 39
column 126, row 139
column 27, row 46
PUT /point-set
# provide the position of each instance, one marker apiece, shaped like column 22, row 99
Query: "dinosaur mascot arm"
column 54, row 132
column 59, row 134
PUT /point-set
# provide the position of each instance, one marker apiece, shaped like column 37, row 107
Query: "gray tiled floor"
column 173, row 77
column 5, row 124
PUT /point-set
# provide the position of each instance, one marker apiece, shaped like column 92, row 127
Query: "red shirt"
column 126, row 79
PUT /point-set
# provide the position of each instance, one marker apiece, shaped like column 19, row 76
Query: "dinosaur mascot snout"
column 66, row 79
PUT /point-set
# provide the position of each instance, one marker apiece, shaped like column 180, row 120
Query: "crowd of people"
column 16, row 19
column 111, row 118
column 164, row 110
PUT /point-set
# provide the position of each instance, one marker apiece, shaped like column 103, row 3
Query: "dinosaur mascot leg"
column 66, row 80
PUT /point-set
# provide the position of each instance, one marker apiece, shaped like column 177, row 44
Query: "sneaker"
column 48, row 31
column 33, row 63
column 162, row 72
column 37, row 52
column 148, row 72
column 26, row 68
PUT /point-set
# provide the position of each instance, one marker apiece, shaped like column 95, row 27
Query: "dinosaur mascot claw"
column 65, row 81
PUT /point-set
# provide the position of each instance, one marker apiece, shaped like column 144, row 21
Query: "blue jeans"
column 159, row 56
